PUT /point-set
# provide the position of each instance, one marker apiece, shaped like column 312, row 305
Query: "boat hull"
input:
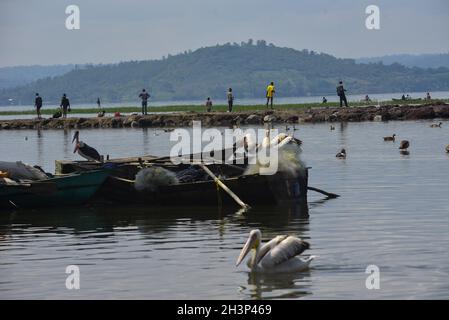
column 68, row 190
column 252, row 189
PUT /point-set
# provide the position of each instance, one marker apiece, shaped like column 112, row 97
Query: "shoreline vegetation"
column 222, row 108
column 244, row 115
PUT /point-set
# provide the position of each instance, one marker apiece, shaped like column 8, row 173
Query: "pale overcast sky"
column 33, row 31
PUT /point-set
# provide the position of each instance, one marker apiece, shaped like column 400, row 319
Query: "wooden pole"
column 225, row 188
column 327, row 194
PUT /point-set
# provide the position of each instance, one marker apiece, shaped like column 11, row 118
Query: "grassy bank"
column 217, row 108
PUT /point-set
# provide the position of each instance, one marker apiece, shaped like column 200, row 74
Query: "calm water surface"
column 393, row 212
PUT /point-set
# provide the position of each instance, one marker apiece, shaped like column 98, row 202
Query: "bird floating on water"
column 279, row 255
column 84, row 150
column 436, row 125
column 404, row 145
column 392, row 138
column 447, row 148
column 332, row 127
column 341, row 154
column 169, row 130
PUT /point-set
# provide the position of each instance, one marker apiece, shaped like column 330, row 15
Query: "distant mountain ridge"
column 246, row 67
column 409, row 60
column 18, row 76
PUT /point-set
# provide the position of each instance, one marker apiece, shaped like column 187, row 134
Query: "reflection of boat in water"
column 64, row 190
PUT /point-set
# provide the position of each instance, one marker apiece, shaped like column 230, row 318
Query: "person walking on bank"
column 65, row 105
column 230, row 100
column 341, row 93
column 270, row 94
column 38, row 105
column 208, row 104
column 144, row 96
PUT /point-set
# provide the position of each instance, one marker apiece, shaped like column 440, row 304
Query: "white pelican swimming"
column 276, row 256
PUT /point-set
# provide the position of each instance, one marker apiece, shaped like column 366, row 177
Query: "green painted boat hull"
column 68, row 190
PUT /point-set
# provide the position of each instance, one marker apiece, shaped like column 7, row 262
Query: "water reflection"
column 151, row 219
column 145, row 140
column 278, row 286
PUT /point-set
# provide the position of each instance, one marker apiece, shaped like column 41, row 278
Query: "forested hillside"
column 246, row 67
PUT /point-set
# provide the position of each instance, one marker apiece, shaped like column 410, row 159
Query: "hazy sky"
column 33, row 31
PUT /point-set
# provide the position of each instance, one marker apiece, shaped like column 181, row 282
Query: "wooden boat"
column 63, row 190
column 253, row 189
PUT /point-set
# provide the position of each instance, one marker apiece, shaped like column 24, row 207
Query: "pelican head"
column 253, row 242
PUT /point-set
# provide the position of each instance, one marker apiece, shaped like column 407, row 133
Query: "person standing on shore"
column 341, row 93
column 144, row 96
column 270, row 94
column 230, row 100
column 38, row 105
column 98, row 103
column 208, row 104
column 65, row 105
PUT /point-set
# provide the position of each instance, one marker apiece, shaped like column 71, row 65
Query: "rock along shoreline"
column 185, row 119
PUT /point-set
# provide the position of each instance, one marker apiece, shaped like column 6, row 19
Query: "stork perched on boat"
column 278, row 255
column 404, row 145
column 84, row 150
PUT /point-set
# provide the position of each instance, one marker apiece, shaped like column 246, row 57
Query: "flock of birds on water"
column 403, row 146
column 280, row 254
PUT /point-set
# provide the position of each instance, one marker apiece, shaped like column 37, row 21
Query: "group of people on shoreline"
column 64, row 105
column 145, row 96
column 269, row 94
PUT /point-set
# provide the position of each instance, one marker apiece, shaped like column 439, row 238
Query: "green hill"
column 14, row 76
column 247, row 68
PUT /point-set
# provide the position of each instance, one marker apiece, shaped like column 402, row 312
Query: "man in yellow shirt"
column 270, row 94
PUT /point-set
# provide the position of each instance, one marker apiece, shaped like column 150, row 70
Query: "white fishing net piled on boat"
column 288, row 161
column 154, row 177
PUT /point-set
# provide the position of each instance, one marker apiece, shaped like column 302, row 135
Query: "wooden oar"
column 327, row 194
column 244, row 206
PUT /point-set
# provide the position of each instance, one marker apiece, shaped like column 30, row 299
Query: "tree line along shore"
column 248, row 115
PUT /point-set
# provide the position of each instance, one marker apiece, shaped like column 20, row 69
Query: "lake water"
column 393, row 213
